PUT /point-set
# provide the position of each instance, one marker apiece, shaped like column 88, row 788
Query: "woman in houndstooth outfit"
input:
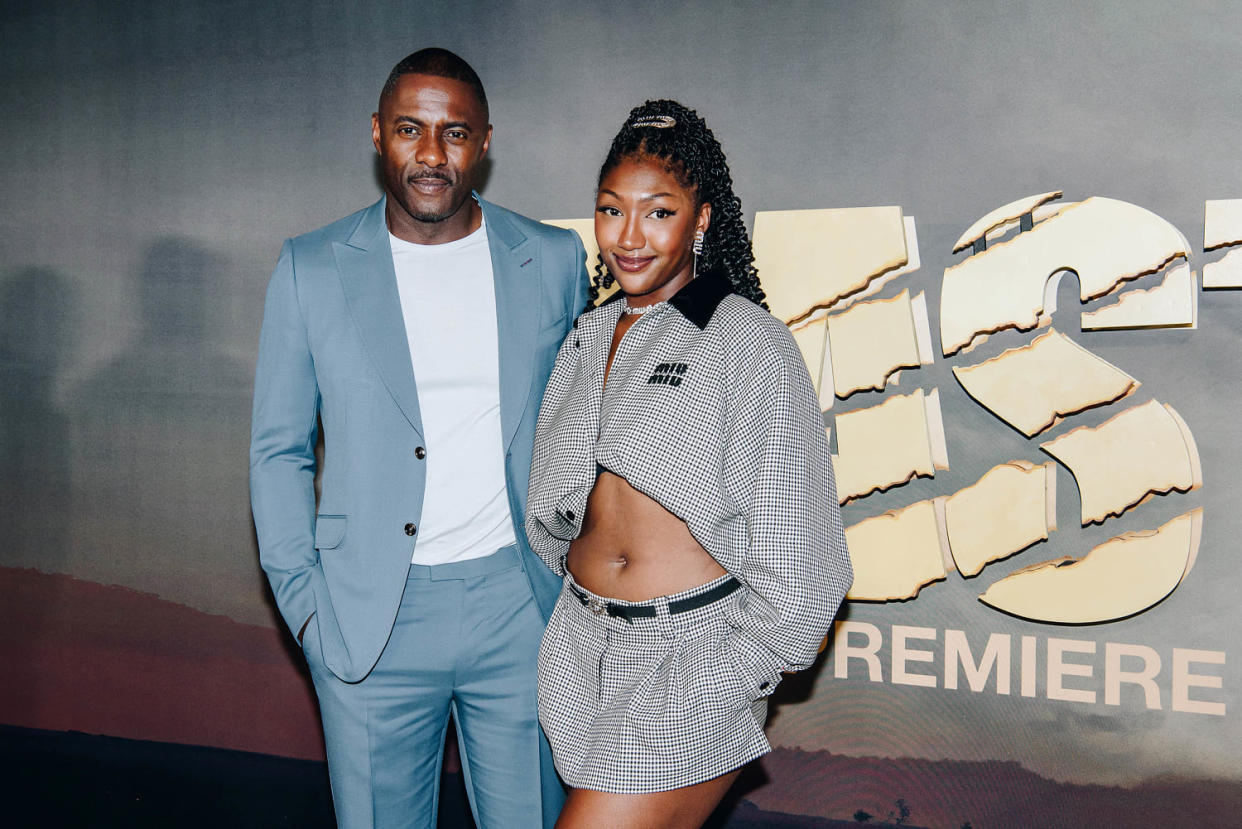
column 682, row 486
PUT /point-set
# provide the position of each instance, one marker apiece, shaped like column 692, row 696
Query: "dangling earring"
column 697, row 247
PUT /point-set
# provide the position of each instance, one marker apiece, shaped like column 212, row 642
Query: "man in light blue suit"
column 420, row 332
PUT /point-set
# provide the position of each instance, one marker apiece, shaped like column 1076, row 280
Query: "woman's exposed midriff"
column 633, row 549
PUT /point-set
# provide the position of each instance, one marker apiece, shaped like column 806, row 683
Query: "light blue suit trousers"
column 465, row 642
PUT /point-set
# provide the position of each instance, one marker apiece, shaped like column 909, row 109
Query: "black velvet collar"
column 698, row 299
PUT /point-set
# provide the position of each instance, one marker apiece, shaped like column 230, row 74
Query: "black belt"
column 646, row 611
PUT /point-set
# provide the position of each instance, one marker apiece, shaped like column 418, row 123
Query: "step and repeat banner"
column 1007, row 238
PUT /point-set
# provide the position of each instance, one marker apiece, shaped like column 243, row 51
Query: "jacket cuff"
column 759, row 669
column 569, row 512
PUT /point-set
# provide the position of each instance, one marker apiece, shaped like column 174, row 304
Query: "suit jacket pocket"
column 329, row 531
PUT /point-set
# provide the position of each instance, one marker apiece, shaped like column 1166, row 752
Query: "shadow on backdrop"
column 36, row 305
column 160, row 451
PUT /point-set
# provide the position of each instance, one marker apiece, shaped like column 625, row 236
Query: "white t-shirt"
column 448, row 300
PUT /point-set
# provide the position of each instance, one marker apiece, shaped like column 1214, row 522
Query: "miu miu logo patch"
column 668, row 374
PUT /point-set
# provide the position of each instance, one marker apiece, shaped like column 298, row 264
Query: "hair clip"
column 661, row 122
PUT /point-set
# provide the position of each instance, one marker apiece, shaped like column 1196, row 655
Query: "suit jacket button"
column 410, row 529
column 420, row 453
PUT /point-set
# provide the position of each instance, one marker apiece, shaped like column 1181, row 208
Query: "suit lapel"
column 517, row 273
column 370, row 284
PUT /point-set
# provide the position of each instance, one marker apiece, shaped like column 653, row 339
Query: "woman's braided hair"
column 672, row 133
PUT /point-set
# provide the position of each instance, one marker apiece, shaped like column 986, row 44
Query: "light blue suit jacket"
column 334, row 348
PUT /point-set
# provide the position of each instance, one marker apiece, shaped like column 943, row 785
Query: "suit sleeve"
column 796, row 565
column 284, row 430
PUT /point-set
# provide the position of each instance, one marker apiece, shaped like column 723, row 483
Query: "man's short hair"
column 439, row 63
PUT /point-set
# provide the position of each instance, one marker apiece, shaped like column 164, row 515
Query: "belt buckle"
column 596, row 606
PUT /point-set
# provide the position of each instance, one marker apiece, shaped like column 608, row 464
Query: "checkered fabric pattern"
column 648, row 705
column 736, row 449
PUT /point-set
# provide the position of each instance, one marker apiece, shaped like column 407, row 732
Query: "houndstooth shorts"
column 649, row 704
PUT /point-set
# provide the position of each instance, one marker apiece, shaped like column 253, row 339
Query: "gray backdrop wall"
column 154, row 155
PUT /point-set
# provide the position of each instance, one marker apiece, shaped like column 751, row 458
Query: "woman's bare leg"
column 684, row 808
